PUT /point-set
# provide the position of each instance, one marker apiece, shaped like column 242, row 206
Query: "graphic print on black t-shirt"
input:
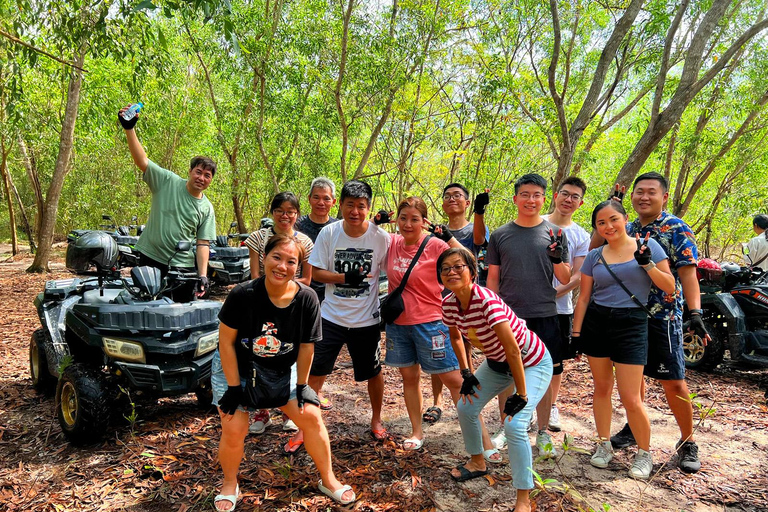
column 348, row 259
column 267, row 344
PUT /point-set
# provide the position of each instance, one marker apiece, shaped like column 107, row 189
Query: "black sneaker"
column 623, row 438
column 688, row 456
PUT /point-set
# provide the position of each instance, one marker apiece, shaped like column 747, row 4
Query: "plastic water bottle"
column 131, row 112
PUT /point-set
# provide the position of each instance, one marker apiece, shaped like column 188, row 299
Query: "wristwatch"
column 649, row 266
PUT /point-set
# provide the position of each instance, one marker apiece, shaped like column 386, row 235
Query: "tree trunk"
column 66, row 141
column 30, row 165
column 7, row 187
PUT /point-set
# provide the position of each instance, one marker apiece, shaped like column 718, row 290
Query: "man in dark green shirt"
column 180, row 211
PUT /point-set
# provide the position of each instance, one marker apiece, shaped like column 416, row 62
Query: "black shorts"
column 620, row 334
column 363, row 344
column 566, row 323
column 548, row 329
column 666, row 360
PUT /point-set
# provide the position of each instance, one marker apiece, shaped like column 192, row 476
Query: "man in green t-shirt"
column 180, row 211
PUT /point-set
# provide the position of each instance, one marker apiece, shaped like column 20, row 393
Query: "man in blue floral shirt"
column 665, row 330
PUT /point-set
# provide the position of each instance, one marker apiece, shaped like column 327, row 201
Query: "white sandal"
column 337, row 496
column 490, row 452
column 227, row 497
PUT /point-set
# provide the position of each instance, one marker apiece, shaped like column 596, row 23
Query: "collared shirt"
column 677, row 240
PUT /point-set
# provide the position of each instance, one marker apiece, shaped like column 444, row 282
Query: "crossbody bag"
column 393, row 306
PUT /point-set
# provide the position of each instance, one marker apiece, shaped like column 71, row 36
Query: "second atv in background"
column 228, row 264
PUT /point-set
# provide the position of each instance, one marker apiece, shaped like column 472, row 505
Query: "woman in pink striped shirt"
column 514, row 356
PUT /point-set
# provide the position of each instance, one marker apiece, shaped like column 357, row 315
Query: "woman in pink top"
column 514, row 356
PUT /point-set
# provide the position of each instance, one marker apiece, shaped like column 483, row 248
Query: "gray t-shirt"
column 466, row 237
column 312, row 229
column 607, row 292
column 525, row 270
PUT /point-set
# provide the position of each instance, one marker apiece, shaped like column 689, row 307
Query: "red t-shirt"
column 422, row 294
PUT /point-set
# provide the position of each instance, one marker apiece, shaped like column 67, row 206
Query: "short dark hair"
column 465, row 254
column 284, row 239
column 610, row 202
column 457, row 185
column 356, row 189
column 531, row 179
column 652, row 176
column 576, row 182
column 283, row 197
column 204, row 161
column 760, row 221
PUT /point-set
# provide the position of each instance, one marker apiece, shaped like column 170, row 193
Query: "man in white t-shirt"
column 756, row 250
column 348, row 256
column 568, row 198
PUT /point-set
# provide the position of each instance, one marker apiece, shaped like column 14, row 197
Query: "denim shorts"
column 219, row 383
column 620, row 334
column 427, row 344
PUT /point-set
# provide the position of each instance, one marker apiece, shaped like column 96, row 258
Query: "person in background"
column 514, row 356
column 285, row 210
column 756, row 250
column 191, row 215
column 273, row 321
column 610, row 325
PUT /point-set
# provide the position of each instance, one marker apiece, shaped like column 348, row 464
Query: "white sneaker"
column 554, row 420
column 499, row 439
column 290, row 426
column 642, row 466
column 602, row 455
column 261, row 421
column 545, row 445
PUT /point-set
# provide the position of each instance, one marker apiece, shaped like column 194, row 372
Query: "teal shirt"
column 175, row 215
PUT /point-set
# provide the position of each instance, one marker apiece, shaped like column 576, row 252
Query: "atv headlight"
column 247, row 264
column 124, row 349
column 207, row 343
column 216, row 264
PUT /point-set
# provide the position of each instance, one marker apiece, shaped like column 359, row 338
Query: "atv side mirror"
column 183, row 245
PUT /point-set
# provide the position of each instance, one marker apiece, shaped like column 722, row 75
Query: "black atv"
column 105, row 332
column 734, row 302
column 229, row 265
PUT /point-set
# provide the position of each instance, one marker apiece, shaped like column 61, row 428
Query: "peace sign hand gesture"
column 440, row 231
column 643, row 253
column 618, row 193
column 383, row 217
column 555, row 248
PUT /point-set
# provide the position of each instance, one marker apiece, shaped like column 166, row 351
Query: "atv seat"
column 95, row 297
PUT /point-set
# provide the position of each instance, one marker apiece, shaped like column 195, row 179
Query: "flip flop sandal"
column 416, row 444
column 433, row 414
column 380, row 434
column 337, row 496
column 487, row 454
column 292, row 446
column 232, row 498
column 325, row 404
column 466, row 474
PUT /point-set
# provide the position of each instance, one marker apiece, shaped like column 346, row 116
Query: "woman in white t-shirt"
column 515, row 357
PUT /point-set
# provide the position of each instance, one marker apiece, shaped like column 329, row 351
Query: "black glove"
column 481, row 201
column 232, row 398
column 696, row 325
column 574, row 344
column 202, row 286
column 642, row 258
column 127, row 125
column 469, row 384
column 354, row 277
column 618, row 193
column 514, row 405
column 306, row 395
column 555, row 247
column 381, row 217
column 441, row 231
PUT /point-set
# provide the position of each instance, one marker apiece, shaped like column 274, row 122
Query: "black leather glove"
column 618, row 193
column 382, row 217
column 306, row 395
column 555, row 247
column 127, row 125
column 574, row 343
column 354, row 277
column 441, row 231
column 514, row 404
column 481, row 201
column 232, row 398
column 642, row 258
column 469, row 384
column 202, row 286
column 696, row 324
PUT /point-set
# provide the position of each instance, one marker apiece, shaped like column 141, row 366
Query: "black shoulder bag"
column 265, row 387
column 616, row 278
column 392, row 305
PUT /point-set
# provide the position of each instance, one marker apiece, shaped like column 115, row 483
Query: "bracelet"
column 649, row 266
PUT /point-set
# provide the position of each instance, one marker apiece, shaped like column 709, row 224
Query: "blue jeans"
column 516, row 427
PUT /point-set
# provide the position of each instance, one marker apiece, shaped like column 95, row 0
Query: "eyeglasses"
column 458, row 196
column 526, row 196
column 565, row 195
column 456, row 268
column 280, row 213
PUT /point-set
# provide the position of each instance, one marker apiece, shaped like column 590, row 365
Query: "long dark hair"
column 610, row 202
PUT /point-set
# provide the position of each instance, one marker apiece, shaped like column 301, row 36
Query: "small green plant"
column 65, row 362
column 133, row 416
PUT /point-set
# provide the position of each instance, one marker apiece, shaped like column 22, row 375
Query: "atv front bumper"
column 167, row 379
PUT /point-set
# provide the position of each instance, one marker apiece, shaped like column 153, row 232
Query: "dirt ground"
column 167, row 460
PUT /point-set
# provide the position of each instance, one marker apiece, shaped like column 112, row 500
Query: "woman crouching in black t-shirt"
column 266, row 344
